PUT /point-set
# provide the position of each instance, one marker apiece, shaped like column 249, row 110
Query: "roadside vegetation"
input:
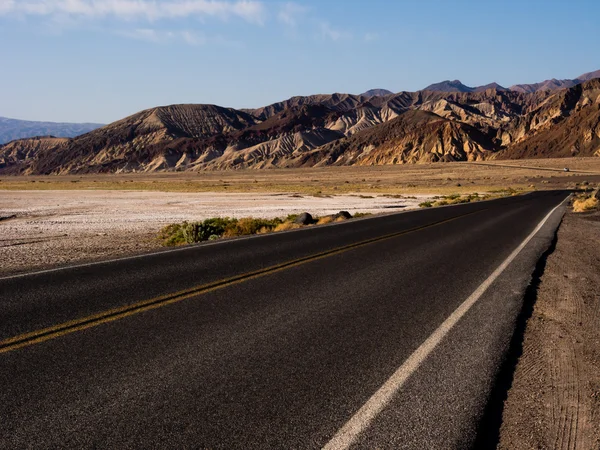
column 586, row 202
column 224, row 227
column 455, row 199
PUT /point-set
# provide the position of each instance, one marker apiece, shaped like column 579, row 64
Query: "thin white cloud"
column 290, row 13
column 370, row 37
column 6, row 6
column 146, row 34
column 158, row 36
column 328, row 32
column 249, row 10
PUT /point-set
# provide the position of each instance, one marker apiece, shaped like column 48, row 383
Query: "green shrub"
column 172, row 234
column 425, row 205
column 202, row 231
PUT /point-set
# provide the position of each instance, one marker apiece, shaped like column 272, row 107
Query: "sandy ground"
column 554, row 401
column 58, row 227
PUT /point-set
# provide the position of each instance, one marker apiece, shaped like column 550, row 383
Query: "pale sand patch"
column 60, row 227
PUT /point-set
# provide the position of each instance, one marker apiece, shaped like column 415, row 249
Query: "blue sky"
column 100, row 60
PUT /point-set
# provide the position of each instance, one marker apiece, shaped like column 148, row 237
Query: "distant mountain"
column 376, row 93
column 554, row 84
column 589, row 76
column 489, row 86
column 457, row 86
column 546, row 85
column 449, row 86
column 11, row 129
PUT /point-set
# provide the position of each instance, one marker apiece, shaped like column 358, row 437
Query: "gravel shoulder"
column 43, row 229
column 554, row 400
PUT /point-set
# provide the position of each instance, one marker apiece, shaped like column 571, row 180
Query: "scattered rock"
column 304, row 219
column 343, row 215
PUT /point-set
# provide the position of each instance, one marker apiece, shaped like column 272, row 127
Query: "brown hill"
column 567, row 124
column 17, row 155
column 121, row 145
column 415, row 136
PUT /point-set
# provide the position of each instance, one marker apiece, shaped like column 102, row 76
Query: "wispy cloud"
column 328, row 32
column 290, row 13
column 370, row 37
column 151, row 10
column 146, row 34
column 193, row 38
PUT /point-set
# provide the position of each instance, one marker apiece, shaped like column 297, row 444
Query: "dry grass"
column 586, row 203
column 324, row 220
column 285, row 226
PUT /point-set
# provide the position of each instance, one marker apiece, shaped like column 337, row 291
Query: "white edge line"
column 348, row 434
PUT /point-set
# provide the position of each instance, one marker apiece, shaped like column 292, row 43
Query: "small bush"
column 172, row 234
column 359, row 214
column 422, row 205
column 585, row 204
column 202, row 231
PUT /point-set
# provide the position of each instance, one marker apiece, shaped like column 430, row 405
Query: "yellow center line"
column 45, row 334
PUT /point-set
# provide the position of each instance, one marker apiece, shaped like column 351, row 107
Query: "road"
column 380, row 332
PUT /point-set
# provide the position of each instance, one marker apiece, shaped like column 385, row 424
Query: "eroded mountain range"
column 338, row 129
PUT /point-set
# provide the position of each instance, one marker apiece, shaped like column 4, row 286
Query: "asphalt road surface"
column 382, row 332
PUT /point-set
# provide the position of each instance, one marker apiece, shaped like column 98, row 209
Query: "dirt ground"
column 554, row 401
column 45, row 228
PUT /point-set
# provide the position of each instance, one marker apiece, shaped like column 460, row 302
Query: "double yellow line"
column 46, row 334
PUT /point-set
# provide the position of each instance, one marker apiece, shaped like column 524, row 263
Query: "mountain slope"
column 415, row 136
column 17, row 155
column 11, row 129
column 567, row 124
column 121, row 145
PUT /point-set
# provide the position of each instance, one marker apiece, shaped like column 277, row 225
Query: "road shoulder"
column 554, row 400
